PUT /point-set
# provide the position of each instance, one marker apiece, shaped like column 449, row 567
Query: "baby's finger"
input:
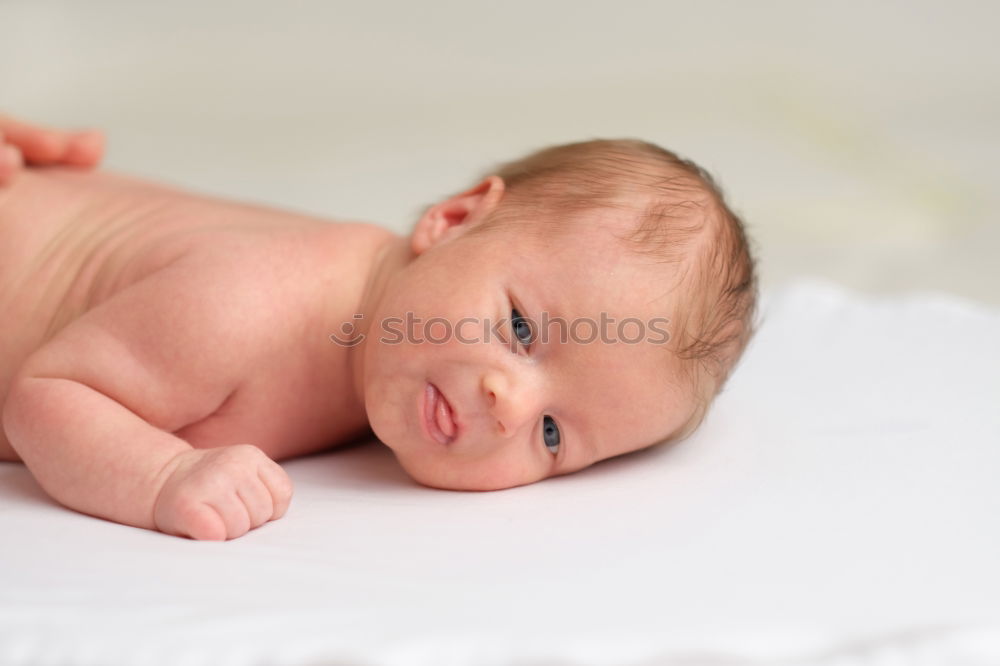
column 38, row 145
column 234, row 515
column 257, row 499
column 85, row 149
column 278, row 484
column 11, row 162
column 196, row 520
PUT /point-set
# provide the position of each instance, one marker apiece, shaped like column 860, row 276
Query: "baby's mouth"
column 438, row 415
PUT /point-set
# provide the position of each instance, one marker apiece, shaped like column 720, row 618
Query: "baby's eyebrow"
column 581, row 449
column 553, row 326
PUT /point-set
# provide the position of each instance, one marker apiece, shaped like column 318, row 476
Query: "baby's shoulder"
column 289, row 272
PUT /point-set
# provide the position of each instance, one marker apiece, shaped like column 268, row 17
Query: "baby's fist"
column 221, row 493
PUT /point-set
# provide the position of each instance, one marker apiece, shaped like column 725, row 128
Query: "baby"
column 163, row 349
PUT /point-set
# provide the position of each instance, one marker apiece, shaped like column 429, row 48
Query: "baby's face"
column 470, row 395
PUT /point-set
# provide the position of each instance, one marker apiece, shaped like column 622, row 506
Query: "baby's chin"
column 454, row 475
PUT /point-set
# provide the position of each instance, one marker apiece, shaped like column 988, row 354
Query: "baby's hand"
column 221, row 493
column 22, row 142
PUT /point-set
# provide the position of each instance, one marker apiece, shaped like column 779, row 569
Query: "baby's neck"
column 390, row 257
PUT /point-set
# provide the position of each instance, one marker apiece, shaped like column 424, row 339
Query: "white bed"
column 839, row 506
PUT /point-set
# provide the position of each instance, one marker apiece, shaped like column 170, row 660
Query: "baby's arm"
column 22, row 142
column 92, row 411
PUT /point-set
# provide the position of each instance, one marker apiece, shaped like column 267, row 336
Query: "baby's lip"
column 439, row 416
column 446, row 413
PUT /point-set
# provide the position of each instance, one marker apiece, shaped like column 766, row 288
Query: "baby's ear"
column 456, row 215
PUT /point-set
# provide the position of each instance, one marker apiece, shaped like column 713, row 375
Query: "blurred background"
column 858, row 140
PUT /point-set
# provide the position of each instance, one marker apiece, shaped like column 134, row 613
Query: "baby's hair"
column 682, row 220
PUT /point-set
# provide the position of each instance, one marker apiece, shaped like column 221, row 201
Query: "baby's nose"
column 511, row 406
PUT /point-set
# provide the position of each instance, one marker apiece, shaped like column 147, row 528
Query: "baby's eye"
column 521, row 327
column 550, row 433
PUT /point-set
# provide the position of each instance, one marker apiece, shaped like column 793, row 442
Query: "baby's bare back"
column 138, row 257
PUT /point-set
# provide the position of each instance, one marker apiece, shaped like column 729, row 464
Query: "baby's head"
column 586, row 301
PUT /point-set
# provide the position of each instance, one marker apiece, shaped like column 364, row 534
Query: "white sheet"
column 839, row 506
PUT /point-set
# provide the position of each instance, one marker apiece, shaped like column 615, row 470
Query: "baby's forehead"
column 588, row 269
